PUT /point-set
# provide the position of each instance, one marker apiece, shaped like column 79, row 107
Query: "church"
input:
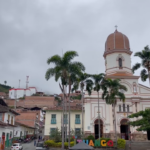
column 117, row 57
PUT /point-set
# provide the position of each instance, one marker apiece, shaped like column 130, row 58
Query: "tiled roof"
column 23, row 124
column 3, row 109
column 27, row 118
column 60, row 108
column 34, row 101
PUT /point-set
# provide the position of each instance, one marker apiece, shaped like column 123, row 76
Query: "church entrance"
column 96, row 128
column 124, row 129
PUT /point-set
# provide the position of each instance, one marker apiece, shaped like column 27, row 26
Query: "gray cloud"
column 32, row 31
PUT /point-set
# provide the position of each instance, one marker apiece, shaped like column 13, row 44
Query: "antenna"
column 19, row 83
column 27, row 82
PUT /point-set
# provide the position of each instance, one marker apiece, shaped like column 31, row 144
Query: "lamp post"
column 62, row 126
column 69, row 124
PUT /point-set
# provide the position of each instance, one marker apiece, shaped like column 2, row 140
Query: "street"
column 26, row 146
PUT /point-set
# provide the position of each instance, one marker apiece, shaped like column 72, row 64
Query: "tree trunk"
column 66, row 115
column 63, row 120
column 69, row 124
column 98, row 118
column 114, row 118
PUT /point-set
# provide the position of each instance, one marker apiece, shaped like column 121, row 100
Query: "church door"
column 124, row 129
column 96, row 128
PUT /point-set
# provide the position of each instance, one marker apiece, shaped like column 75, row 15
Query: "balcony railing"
column 65, row 121
column 53, row 121
column 77, row 121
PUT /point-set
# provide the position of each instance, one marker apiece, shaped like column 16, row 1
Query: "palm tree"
column 63, row 69
column 98, row 79
column 83, row 81
column 112, row 90
column 144, row 55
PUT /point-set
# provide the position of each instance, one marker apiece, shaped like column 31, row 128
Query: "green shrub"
column 90, row 137
column 72, row 143
column 121, row 143
column 50, row 143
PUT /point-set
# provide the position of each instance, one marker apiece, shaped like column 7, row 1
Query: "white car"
column 16, row 146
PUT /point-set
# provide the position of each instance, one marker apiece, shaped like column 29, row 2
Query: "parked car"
column 41, row 146
column 16, row 146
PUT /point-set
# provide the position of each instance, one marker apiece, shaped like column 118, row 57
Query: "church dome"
column 117, row 41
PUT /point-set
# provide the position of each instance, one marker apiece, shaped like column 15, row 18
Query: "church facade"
column 117, row 57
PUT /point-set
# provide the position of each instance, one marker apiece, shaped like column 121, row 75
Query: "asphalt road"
column 28, row 146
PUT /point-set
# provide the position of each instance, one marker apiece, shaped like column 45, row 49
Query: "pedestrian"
column 35, row 142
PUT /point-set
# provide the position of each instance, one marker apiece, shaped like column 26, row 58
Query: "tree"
column 64, row 69
column 83, row 81
column 143, row 123
column 98, row 79
column 55, row 135
column 144, row 55
column 112, row 91
column 5, row 82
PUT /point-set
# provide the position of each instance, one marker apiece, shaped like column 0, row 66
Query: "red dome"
column 117, row 41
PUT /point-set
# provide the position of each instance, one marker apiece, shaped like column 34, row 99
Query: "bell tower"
column 117, row 55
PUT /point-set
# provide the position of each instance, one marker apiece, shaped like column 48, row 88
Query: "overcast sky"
column 33, row 30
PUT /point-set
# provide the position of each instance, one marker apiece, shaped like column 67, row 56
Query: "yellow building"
column 54, row 119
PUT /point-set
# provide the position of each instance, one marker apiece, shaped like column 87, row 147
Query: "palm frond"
column 49, row 73
column 69, row 55
column 56, row 59
column 136, row 66
column 144, row 75
column 139, row 54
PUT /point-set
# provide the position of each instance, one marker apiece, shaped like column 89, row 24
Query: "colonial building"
column 54, row 119
column 7, row 124
column 117, row 57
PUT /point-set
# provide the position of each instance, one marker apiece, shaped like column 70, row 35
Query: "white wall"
column 112, row 63
column 48, row 124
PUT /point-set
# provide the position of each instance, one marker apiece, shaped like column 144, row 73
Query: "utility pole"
column 82, row 115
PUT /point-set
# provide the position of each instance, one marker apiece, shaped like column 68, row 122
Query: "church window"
column 124, row 108
column 128, row 108
column 120, row 62
column 119, row 108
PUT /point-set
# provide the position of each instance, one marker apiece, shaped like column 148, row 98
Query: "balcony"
column 65, row 121
column 53, row 121
column 77, row 121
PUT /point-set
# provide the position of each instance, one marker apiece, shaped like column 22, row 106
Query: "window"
column 77, row 119
column 12, row 120
column 53, row 116
column 120, row 62
column 8, row 119
column 119, row 108
column 52, row 130
column 78, row 132
column 124, row 108
column 77, row 116
column 128, row 108
column 65, row 118
column 1, row 116
column 53, row 119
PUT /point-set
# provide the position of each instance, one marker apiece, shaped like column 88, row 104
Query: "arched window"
column 120, row 62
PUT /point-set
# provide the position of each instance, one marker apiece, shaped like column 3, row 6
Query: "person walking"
column 35, row 142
